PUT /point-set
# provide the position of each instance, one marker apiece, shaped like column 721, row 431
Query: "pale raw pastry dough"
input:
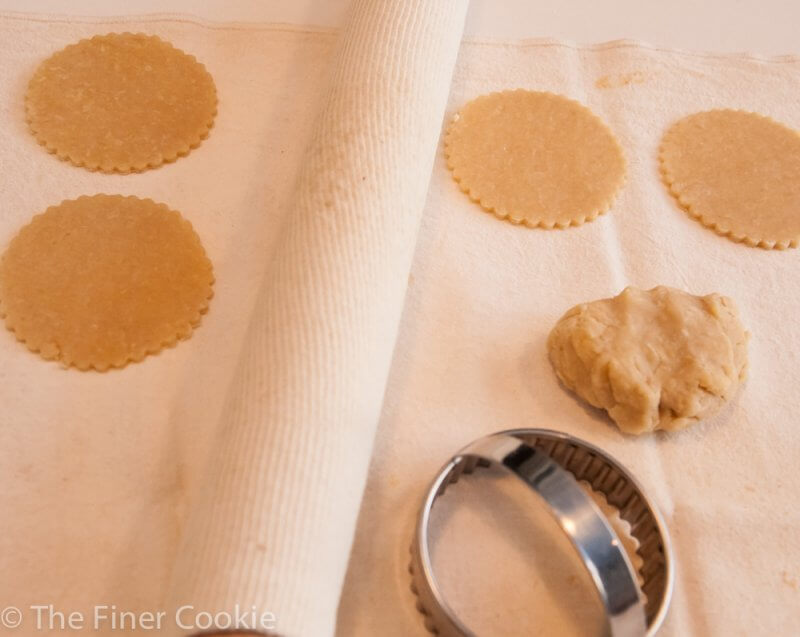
column 656, row 359
column 99, row 281
column 737, row 173
column 535, row 158
column 120, row 103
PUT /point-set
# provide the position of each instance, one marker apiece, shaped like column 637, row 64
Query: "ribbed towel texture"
column 274, row 524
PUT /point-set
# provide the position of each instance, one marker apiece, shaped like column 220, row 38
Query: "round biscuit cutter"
column 552, row 463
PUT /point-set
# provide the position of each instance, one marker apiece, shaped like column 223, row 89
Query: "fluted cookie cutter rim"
column 552, row 463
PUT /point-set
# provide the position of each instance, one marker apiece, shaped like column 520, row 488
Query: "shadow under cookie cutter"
column 551, row 463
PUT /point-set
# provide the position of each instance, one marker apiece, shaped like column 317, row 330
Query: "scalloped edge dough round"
column 78, row 109
column 737, row 173
column 621, row 527
column 98, row 282
column 535, row 158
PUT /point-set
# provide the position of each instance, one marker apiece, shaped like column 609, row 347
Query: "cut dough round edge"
column 670, row 179
column 545, row 224
column 623, row 529
column 154, row 162
column 182, row 332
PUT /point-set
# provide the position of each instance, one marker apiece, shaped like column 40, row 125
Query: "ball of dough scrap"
column 653, row 359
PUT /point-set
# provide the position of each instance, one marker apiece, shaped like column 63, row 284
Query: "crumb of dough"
column 620, row 80
column 653, row 359
column 120, row 102
column 98, row 282
column 737, row 173
column 535, row 158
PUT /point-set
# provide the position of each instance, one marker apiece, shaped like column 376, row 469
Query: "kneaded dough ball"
column 653, row 359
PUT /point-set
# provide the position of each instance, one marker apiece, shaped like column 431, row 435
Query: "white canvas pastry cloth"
column 100, row 470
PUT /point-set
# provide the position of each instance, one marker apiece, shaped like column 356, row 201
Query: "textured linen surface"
column 100, row 470
column 471, row 359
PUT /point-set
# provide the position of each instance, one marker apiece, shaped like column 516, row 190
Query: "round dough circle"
column 99, row 281
column 621, row 527
column 535, row 158
column 737, row 173
column 120, row 102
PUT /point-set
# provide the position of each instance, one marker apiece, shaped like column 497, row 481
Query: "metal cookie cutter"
column 551, row 464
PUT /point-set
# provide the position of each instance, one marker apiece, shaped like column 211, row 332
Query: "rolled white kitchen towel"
column 273, row 527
